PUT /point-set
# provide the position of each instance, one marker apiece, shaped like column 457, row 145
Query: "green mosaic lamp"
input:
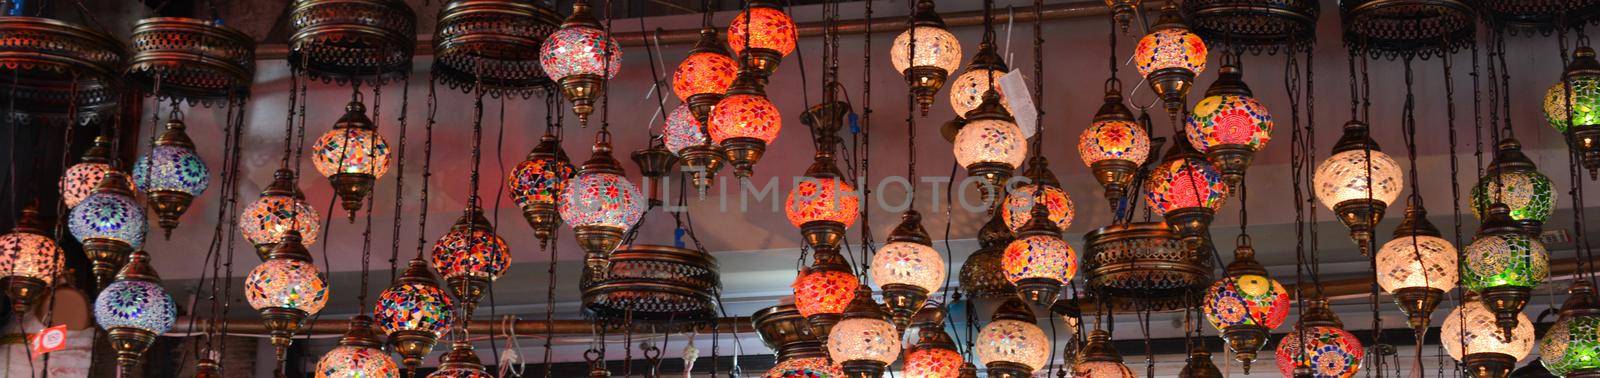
column 1582, row 77
column 1503, row 265
column 1513, row 180
column 1571, row 348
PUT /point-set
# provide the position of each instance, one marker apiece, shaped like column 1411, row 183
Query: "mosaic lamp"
column 1011, row 345
column 983, row 275
column 537, row 181
column 1469, row 335
column 1018, row 208
column 414, row 312
column 907, row 269
column 805, row 367
column 286, row 289
column 352, row 156
column 1513, row 180
column 799, row 353
column 685, row 135
column 1099, row 359
column 30, row 260
column 769, row 33
column 822, row 204
column 133, row 310
column 1038, row 262
column 461, row 362
column 170, row 175
column 864, row 343
column 470, row 256
column 966, row 92
column 600, row 204
column 1200, row 365
column 934, row 355
column 282, row 207
column 80, row 179
column 744, row 123
column 1114, row 145
column 925, row 54
column 1571, row 347
column 1417, row 267
column 110, row 223
column 359, row 354
column 1327, row 349
column 580, row 56
column 703, row 76
column 1503, row 266
column 1358, row 182
column 1581, row 124
column 1170, row 57
column 1229, row 125
column 1187, row 190
column 1246, row 304
column 990, row 145
column 824, row 290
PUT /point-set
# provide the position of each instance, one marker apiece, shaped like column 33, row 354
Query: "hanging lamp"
column 353, row 155
column 745, row 122
column 537, row 181
column 1170, row 57
column 823, row 204
column 286, row 289
column 359, row 354
column 1328, row 350
column 460, row 362
column 79, row 181
column 659, row 286
column 1583, row 119
column 1469, row 335
column 488, row 45
column 934, row 355
column 171, row 174
column 936, row 54
column 1229, row 125
column 600, row 204
column 581, row 56
column 1256, row 26
column 864, row 343
column 824, row 290
column 110, row 223
column 1513, row 180
column 1358, row 182
column 134, row 310
column 1570, row 348
column 1020, row 200
column 1038, row 262
column 704, row 75
column 1011, row 345
column 282, row 207
column 1503, row 266
column 1246, row 304
column 1114, row 145
column 907, row 269
column 1187, row 190
column 769, row 33
column 1144, row 265
column 1200, row 365
column 800, row 352
column 966, row 91
column 470, row 256
column 30, row 260
column 414, row 312
column 1100, row 359
column 686, row 135
column 983, row 275
column 1417, row 266
column 990, row 145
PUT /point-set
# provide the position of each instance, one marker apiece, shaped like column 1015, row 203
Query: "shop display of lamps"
column 1577, row 114
column 1011, row 345
column 990, row 145
column 1018, row 207
column 352, row 156
column 600, row 204
column 110, row 223
column 133, row 310
column 1038, row 262
column 80, row 179
column 286, row 289
column 1417, row 267
column 359, row 354
column 537, row 181
column 823, row 204
column 1245, row 304
column 1229, row 125
column 1327, row 349
column 824, row 290
column 926, row 54
column 461, row 362
column 1503, row 265
column 470, row 256
column 1187, row 191
column 934, row 355
column 769, row 33
column 580, row 57
column 1114, row 145
column 1469, row 335
column 745, row 122
column 1571, row 347
column 414, row 312
column 1170, row 57
column 282, row 207
column 171, row 174
column 1513, row 180
column 864, row 342
column 907, row 269
column 30, row 260
column 1358, row 182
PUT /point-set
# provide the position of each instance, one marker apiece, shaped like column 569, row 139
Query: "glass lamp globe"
column 1170, row 48
column 1504, row 260
column 742, row 115
column 805, row 367
column 414, row 311
column 1581, row 75
column 353, row 156
column 864, row 339
column 683, row 130
column 1417, row 266
column 704, row 72
column 136, row 302
column 1101, row 369
column 536, row 182
column 966, row 92
column 286, row 283
column 1114, row 140
column 1470, row 329
column 1343, row 177
column 1328, row 350
column 908, row 263
column 110, row 223
column 816, row 199
column 1019, row 205
column 1228, row 119
column 1246, row 299
column 1512, row 179
column 1571, row 347
column 769, row 32
column 171, row 174
column 282, row 207
column 358, row 355
column 1184, row 183
column 990, row 142
column 823, row 291
column 1039, row 257
column 28, row 254
column 926, row 54
column 601, row 199
column 933, row 363
column 80, row 179
column 579, row 50
column 471, row 249
column 1011, row 343
column 461, row 362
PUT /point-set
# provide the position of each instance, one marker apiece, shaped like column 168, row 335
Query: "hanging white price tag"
column 1015, row 89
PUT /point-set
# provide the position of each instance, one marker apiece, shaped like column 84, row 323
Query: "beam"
column 328, row 327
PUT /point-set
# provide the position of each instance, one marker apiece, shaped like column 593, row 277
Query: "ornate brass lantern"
column 286, row 289
column 661, row 285
column 1570, row 107
column 110, row 224
column 1513, row 180
column 580, row 56
column 1255, row 25
column 1200, row 365
column 493, row 44
column 344, row 40
column 990, row 145
column 31, row 258
column 824, row 290
column 1170, row 57
column 1229, row 125
column 49, row 63
column 414, row 311
column 153, row 312
column 353, row 155
column 171, row 174
column 1144, row 264
column 1246, row 304
column 1187, row 191
column 799, row 350
column 768, row 32
column 824, row 204
column 934, row 354
column 864, row 343
column 1503, row 265
column 1408, row 27
column 1114, row 146
column 192, row 59
column 537, row 181
column 1417, row 266
column 982, row 275
column 907, row 269
column 744, row 122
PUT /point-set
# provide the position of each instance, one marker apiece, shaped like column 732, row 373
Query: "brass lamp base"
column 1245, row 341
column 207, row 368
column 1418, row 303
column 1172, row 85
column 470, row 290
column 1586, row 139
column 352, row 189
column 744, row 153
column 822, row 235
column 597, row 243
column 168, row 206
column 925, row 82
column 1360, row 215
column 903, row 301
column 413, row 346
column 700, row 105
column 702, row 162
column 764, row 61
column 1490, row 365
column 1193, row 226
column 1506, row 302
column 107, row 256
column 282, row 324
column 822, row 326
column 1231, row 160
column 1039, row 292
column 994, row 177
column 544, row 218
column 863, row 369
column 1005, row 369
column 23, row 291
column 582, row 90
column 1115, row 176
column 130, row 344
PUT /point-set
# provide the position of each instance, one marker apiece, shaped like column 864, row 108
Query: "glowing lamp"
column 580, row 56
column 683, row 130
column 1581, row 124
column 1417, row 266
column 769, row 33
column 470, row 256
column 133, row 310
column 1011, row 345
column 110, row 223
column 744, row 123
column 824, row 290
column 864, row 343
column 1246, row 304
column 414, row 312
column 1229, row 125
column 805, row 367
column 282, row 207
column 934, row 355
column 966, row 91
column 1358, row 182
column 286, row 289
column 1170, row 57
column 1114, row 146
column 990, row 145
column 1019, row 201
column 359, row 354
column 907, row 269
column 822, row 204
column 537, row 181
column 1187, row 191
column 685, row 135
column 80, row 179
column 1571, row 347
column 1039, row 261
column 171, row 174
column 1326, row 349
column 704, row 75
column 1469, row 335
column 1503, row 265
column 461, row 362
column 352, row 156
column 1513, row 180
column 925, row 54
column 29, row 260
column 600, row 204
